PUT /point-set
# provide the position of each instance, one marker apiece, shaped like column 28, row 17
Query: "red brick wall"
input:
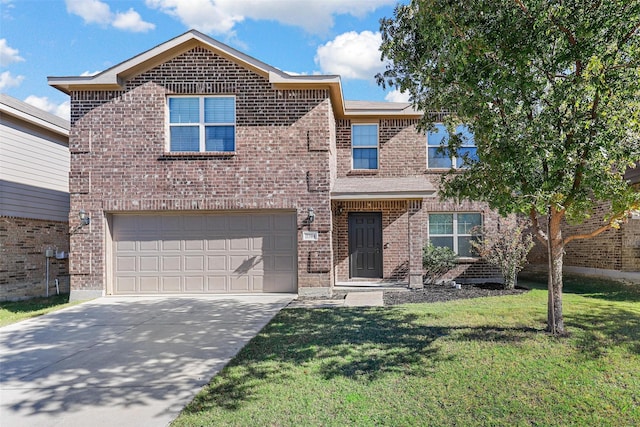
column 119, row 162
column 611, row 250
column 22, row 257
column 402, row 151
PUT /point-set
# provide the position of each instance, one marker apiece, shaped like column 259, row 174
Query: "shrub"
column 437, row 260
column 505, row 247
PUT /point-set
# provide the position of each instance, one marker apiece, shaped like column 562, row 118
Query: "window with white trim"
column 455, row 231
column 364, row 146
column 438, row 156
column 202, row 123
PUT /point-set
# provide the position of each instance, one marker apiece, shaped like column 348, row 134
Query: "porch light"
column 311, row 215
column 84, row 218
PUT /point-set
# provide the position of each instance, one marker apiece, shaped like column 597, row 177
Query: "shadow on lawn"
column 359, row 344
column 607, row 327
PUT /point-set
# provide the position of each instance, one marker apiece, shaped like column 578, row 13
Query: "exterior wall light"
column 84, row 218
column 311, row 216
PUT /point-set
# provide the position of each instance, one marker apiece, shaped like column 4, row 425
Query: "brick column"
column 416, row 241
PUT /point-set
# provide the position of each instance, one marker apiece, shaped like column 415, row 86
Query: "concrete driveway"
column 122, row 361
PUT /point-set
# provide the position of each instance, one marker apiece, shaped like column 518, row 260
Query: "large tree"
column 549, row 88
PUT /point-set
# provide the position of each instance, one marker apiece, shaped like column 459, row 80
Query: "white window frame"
column 377, row 146
column 455, row 235
column 202, row 125
column 454, row 159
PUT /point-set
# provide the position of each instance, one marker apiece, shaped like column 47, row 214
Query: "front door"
column 365, row 245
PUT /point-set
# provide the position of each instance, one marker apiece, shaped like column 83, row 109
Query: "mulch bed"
column 441, row 293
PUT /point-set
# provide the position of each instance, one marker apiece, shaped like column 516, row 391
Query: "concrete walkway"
column 122, row 361
column 367, row 298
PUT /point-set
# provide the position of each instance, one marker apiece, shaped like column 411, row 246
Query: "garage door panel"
column 171, row 263
column 216, row 245
column 125, row 284
column 194, row 284
column 149, row 245
column 171, row 284
column 239, row 244
column 214, row 253
column 122, row 246
column 149, row 263
column 239, row 283
column 194, row 245
column 194, row 263
column 149, row 284
column 126, row 264
column 216, row 283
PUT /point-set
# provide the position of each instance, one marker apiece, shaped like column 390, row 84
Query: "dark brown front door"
column 365, row 245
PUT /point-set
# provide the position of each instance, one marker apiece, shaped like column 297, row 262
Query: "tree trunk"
column 555, row 321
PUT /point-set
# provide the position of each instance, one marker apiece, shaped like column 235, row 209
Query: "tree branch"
column 540, row 235
column 614, row 220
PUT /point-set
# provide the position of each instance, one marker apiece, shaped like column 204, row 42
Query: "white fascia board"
column 382, row 196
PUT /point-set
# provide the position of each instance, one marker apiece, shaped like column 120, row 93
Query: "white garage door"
column 214, row 253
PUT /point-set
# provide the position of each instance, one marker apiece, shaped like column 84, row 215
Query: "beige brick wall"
column 119, row 162
column 22, row 257
column 612, row 250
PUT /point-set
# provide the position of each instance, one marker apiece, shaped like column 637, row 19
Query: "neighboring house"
column 205, row 170
column 613, row 253
column 34, row 200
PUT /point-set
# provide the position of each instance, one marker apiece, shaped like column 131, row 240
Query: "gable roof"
column 115, row 77
column 28, row 113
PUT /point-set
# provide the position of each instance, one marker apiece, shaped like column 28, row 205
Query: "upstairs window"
column 202, row 124
column 455, row 231
column 438, row 156
column 364, row 146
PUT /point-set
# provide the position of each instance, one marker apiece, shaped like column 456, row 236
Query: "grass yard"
column 469, row 362
column 15, row 311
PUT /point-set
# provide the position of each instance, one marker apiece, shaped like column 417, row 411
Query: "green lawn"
column 474, row 362
column 15, row 311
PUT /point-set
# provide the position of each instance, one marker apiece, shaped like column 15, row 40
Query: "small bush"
column 437, row 260
column 506, row 247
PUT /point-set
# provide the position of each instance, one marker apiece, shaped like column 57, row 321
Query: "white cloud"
column 351, row 55
column 92, row 11
column 42, row 102
column 7, row 80
column 203, row 15
column 98, row 12
column 131, row 21
column 397, row 96
column 220, row 16
column 8, row 55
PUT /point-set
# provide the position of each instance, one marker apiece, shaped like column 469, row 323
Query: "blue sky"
column 40, row 38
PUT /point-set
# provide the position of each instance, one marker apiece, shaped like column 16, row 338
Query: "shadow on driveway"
column 122, row 361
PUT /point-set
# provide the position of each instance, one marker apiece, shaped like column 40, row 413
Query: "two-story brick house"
column 204, row 170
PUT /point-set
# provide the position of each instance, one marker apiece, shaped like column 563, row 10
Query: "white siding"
column 34, row 171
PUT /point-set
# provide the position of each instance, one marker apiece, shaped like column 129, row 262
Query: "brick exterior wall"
column 612, row 250
column 120, row 164
column 22, row 257
column 402, row 152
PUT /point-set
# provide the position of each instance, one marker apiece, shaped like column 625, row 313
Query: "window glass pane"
column 364, row 135
column 441, row 224
column 185, row 138
column 220, row 138
column 184, row 110
column 439, row 136
column 365, row 158
column 471, row 156
column 439, row 160
column 219, row 110
column 442, row 242
column 465, row 248
column 467, row 136
column 468, row 221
